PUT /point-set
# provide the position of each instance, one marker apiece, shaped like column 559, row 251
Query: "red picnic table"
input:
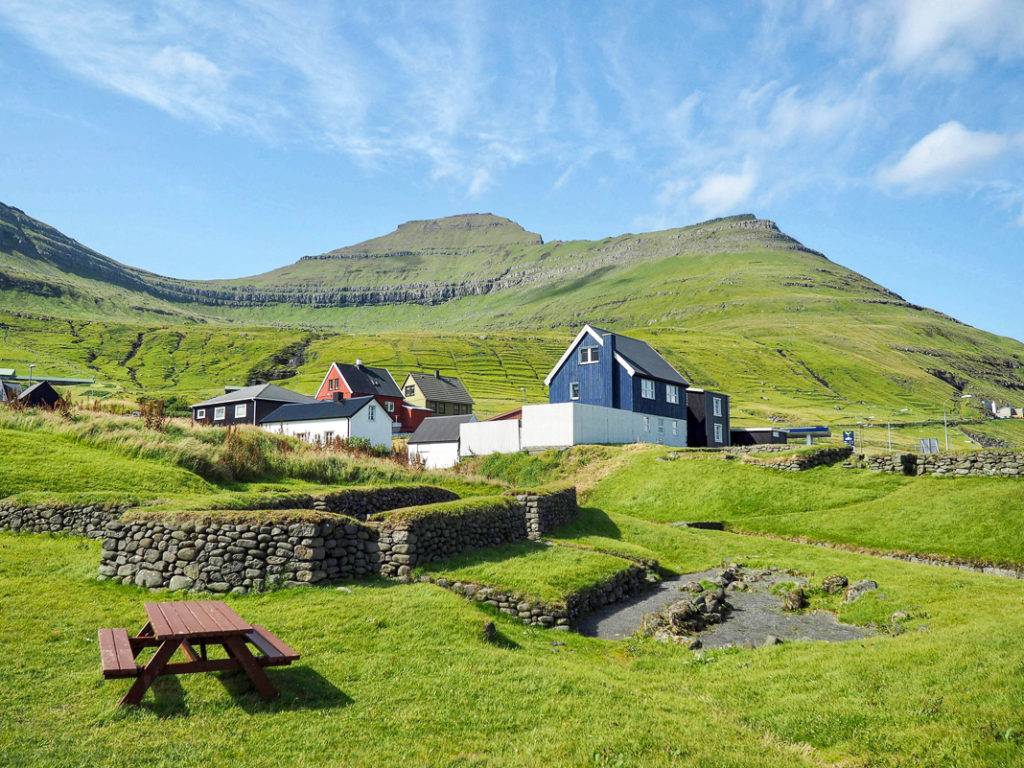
column 185, row 625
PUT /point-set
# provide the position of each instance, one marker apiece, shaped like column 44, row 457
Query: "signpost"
column 848, row 438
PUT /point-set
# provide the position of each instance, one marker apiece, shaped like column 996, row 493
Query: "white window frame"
column 328, row 435
column 647, row 389
column 389, row 406
column 675, row 428
column 574, row 386
column 241, row 410
column 647, row 423
column 200, row 413
column 716, row 406
column 218, row 413
column 372, row 415
column 410, row 391
column 672, row 393
column 589, row 355
column 719, row 438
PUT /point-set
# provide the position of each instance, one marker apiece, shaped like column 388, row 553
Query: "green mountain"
column 733, row 303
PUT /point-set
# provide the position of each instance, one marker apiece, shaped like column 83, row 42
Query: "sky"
column 221, row 139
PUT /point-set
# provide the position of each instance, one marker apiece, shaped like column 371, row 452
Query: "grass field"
column 974, row 518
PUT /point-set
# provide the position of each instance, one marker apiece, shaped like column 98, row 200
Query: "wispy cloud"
column 945, row 156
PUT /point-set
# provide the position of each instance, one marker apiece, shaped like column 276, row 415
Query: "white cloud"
column 945, row 156
column 721, row 193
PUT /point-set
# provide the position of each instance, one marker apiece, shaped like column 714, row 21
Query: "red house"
column 344, row 381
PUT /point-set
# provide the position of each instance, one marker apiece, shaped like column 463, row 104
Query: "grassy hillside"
column 734, row 304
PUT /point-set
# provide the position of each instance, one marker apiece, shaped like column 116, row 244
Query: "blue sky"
column 200, row 139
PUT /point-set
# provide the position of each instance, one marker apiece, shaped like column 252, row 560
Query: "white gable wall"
column 378, row 431
column 482, row 438
column 436, row 455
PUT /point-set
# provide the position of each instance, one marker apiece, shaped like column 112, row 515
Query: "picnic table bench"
column 184, row 626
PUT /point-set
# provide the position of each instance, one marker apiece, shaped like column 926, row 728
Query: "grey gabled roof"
column 440, row 429
column 9, row 390
column 447, row 389
column 319, row 410
column 364, row 380
column 643, row 359
column 271, row 392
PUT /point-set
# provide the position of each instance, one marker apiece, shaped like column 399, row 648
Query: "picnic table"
column 191, row 627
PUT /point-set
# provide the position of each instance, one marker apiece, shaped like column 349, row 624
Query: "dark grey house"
column 246, row 405
column 758, row 435
column 39, row 394
column 707, row 419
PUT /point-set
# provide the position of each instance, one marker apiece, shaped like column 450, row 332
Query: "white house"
column 560, row 425
column 436, row 440
column 325, row 420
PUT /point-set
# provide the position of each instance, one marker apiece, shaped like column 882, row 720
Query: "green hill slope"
column 733, row 303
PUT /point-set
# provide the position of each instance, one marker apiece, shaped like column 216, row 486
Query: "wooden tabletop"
column 194, row 619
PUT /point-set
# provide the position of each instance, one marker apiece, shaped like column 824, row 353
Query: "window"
column 672, row 393
column 661, row 426
column 647, row 423
column 328, row 436
column 373, row 413
column 589, row 355
column 718, row 433
column 716, row 406
column 647, row 389
column 390, row 406
column 240, row 411
column 574, row 391
column 675, row 428
column 332, row 384
column 438, row 407
column 410, row 391
column 218, row 413
column 200, row 414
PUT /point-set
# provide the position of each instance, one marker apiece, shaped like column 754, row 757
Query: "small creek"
column 755, row 614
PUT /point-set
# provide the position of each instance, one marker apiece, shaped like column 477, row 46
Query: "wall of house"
column 559, row 425
column 436, row 455
column 482, row 438
column 595, row 379
column 254, row 411
column 377, row 431
column 659, row 405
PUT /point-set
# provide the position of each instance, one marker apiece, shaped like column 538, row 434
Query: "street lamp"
column 524, row 395
column 901, row 410
column 945, row 423
column 30, row 367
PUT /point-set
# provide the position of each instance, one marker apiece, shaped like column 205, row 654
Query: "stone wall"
column 82, row 519
column 968, row 464
column 362, row 502
column 237, row 557
column 547, row 511
column 238, row 552
column 798, row 462
column 630, row 581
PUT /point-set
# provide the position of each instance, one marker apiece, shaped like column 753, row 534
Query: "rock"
column 180, row 582
column 150, row 579
column 898, row 616
column 834, row 583
column 695, row 644
column 650, row 624
column 794, row 601
column 693, row 587
column 772, row 640
column 856, row 590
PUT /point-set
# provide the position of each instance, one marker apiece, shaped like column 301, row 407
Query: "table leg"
column 238, row 650
column 150, row 672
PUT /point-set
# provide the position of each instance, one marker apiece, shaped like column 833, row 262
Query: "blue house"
column 615, row 371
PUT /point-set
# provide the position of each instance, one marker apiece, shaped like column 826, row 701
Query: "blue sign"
column 848, row 437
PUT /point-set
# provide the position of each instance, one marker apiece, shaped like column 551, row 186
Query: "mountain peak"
column 461, row 233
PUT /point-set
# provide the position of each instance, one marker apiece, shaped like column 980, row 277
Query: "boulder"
column 857, row 590
column 149, row 579
column 834, row 583
column 794, row 601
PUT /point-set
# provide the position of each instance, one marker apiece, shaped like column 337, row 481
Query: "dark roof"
column 39, row 393
column 270, row 392
column 319, row 410
column 447, row 389
column 363, row 380
column 440, row 429
column 643, row 359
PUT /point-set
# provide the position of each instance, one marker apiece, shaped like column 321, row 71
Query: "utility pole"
column 945, row 422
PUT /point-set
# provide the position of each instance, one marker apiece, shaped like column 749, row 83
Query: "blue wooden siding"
column 607, row 383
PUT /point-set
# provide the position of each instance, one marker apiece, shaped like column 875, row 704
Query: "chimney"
column 338, row 396
column 359, row 362
column 437, row 374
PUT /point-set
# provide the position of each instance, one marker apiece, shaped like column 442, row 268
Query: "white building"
column 560, row 425
column 436, row 441
column 324, row 420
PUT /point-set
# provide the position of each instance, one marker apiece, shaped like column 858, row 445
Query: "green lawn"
column 530, row 569
column 398, row 674
column 971, row 518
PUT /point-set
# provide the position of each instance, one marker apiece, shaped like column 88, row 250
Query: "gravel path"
column 756, row 614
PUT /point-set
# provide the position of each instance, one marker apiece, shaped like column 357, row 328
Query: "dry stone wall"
column 800, row 462
column 972, row 464
column 82, row 519
column 547, row 511
column 361, row 503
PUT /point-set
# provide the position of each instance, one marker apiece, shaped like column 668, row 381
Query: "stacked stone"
column 820, row 457
column 970, row 464
column 236, row 557
column 633, row 580
column 362, row 503
column 82, row 519
column 547, row 511
column 405, row 542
